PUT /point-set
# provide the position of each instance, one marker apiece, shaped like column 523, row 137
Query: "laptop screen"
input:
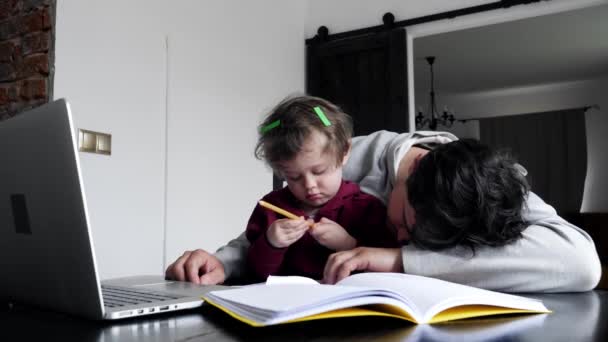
column 46, row 250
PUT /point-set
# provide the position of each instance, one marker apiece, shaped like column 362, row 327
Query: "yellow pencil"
column 281, row 211
column 278, row 210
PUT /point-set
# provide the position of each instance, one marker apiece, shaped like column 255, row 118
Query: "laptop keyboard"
column 114, row 296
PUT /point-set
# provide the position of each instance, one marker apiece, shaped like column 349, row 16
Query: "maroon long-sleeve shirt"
column 362, row 215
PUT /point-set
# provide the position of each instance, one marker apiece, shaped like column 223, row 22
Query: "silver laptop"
column 47, row 254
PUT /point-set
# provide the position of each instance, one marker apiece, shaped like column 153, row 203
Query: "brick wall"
column 26, row 54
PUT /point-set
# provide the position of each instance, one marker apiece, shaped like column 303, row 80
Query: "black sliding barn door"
column 366, row 76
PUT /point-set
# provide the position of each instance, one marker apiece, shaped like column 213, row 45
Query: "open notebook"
column 414, row 298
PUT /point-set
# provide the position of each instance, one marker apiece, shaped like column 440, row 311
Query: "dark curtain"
column 552, row 146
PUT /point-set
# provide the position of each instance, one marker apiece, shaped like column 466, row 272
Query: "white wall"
column 219, row 65
column 112, row 73
column 229, row 62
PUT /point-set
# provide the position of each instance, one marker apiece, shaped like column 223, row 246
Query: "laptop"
column 47, row 256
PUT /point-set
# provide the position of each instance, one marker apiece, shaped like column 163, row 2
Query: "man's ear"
column 416, row 162
column 347, row 154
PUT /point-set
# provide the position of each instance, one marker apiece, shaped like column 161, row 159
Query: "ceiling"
column 553, row 48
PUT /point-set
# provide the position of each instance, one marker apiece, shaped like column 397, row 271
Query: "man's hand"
column 284, row 232
column 198, row 267
column 331, row 235
column 341, row 264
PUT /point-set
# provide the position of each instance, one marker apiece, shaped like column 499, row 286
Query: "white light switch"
column 104, row 143
column 94, row 142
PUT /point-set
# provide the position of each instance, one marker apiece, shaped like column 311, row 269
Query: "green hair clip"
column 322, row 116
column 270, row 126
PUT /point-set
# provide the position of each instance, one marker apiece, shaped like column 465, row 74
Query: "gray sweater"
column 552, row 256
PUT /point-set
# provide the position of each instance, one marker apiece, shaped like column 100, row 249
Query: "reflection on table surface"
column 575, row 317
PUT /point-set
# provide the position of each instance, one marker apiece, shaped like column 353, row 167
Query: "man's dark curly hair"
column 465, row 193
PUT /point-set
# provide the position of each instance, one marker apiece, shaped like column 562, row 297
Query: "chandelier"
column 432, row 119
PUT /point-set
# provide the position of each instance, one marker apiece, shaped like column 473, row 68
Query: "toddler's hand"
column 332, row 235
column 284, row 232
